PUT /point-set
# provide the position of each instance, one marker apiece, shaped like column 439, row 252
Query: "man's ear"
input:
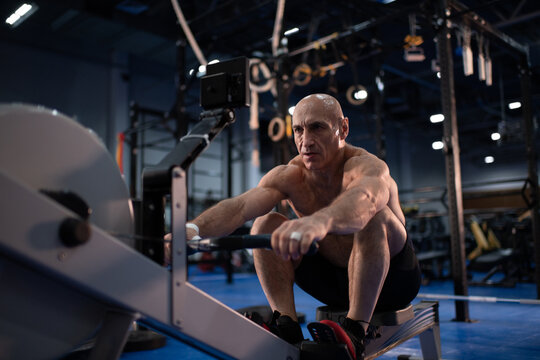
column 344, row 128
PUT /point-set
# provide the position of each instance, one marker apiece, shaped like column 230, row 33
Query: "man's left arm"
column 366, row 191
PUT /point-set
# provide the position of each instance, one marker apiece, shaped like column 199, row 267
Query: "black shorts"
column 330, row 284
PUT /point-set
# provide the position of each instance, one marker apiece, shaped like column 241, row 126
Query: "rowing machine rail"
column 394, row 328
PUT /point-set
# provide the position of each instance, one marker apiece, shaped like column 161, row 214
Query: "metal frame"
column 452, row 162
column 396, row 327
column 203, row 318
column 113, row 282
column 125, row 282
column 532, row 167
column 447, row 11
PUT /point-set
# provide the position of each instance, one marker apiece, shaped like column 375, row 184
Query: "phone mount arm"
column 157, row 179
column 189, row 148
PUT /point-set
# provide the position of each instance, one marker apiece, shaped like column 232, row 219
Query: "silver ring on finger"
column 295, row 235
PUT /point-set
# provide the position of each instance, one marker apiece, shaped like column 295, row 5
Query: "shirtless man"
column 345, row 201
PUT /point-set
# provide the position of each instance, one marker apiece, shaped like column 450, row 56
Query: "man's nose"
column 307, row 139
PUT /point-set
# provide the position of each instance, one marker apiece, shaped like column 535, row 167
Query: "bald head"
column 323, row 104
column 319, row 131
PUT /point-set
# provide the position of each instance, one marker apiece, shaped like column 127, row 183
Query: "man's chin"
column 311, row 165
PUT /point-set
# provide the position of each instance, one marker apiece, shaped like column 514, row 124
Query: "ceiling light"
column 202, row 68
column 437, row 145
column 436, row 118
column 380, row 83
column 21, row 14
column 489, row 159
column 356, row 94
column 360, row 94
column 514, row 105
column 291, row 110
column 495, row 136
column 291, row 31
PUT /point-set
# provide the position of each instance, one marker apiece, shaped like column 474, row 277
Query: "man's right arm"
column 229, row 214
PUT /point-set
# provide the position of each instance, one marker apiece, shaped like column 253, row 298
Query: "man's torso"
column 307, row 194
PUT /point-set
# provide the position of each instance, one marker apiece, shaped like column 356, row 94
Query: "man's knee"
column 385, row 219
column 266, row 224
column 387, row 222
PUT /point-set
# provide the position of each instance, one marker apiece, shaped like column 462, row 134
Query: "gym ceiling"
column 230, row 28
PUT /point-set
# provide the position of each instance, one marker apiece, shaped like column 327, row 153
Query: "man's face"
column 317, row 137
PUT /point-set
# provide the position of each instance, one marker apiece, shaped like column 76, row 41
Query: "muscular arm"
column 366, row 191
column 367, row 185
column 229, row 214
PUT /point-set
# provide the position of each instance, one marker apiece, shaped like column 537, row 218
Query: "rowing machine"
column 392, row 327
column 101, row 285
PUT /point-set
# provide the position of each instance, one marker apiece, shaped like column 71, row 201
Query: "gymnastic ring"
column 302, row 74
column 278, row 135
column 350, row 95
column 262, row 67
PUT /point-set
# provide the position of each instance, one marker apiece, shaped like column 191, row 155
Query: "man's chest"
column 310, row 198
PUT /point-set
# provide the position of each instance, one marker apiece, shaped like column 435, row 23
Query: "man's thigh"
column 323, row 280
column 337, row 249
column 329, row 283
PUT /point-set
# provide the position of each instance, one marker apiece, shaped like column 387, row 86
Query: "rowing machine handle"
column 237, row 242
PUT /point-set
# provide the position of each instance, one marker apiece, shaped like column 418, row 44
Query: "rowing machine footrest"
column 385, row 318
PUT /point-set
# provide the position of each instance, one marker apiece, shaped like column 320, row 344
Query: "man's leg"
column 275, row 274
column 369, row 262
column 277, row 278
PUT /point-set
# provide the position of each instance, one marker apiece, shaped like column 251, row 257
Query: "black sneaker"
column 357, row 335
column 280, row 325
column 287, row 329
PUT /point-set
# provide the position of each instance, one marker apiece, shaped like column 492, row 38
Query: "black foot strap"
column 329, row 332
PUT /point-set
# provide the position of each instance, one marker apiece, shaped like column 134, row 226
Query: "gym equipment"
column 491, row 299
column 389, row 329
column 237, row 242
column 57, row 295
column 100, row 286
column 34, row 156
column 488, row 256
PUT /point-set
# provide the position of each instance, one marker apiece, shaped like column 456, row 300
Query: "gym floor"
column 497, row 331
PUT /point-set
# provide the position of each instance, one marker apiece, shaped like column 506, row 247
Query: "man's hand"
column 191, row 233
column 293, row 238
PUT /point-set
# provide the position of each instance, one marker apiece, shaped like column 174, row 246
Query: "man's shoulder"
column 295, row 164
column 359, row 158
column 284, row 174
column 353, row 153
